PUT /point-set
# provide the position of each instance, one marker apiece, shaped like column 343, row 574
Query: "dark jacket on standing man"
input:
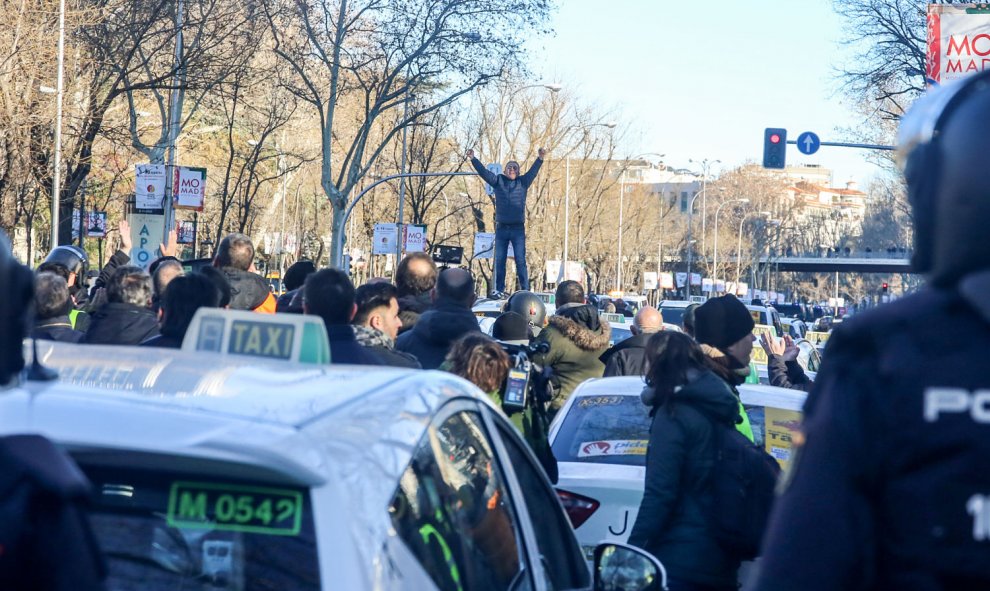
column 345, row 349
column 510, row 195
column 411, row 307
column 119, row 323
column 673, row 522
column 435, row 331
column 249, row 291
column 627, row 358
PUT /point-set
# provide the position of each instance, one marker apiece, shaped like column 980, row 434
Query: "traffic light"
column 884, row 287
column 774, row 147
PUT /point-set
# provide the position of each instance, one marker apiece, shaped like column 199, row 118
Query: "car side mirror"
column 621, row 567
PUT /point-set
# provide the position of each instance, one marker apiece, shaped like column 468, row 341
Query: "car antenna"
column 38, row 372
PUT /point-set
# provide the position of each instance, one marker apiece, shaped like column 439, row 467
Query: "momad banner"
column 958, row 41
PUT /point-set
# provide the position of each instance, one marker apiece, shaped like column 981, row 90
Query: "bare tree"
column 357, row 60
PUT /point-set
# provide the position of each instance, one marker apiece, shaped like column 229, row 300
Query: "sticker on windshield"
column 613, row 447
column 228, row 507
column 599, row 401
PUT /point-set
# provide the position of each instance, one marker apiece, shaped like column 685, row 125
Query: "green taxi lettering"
column 214, row 506
column 192, row 507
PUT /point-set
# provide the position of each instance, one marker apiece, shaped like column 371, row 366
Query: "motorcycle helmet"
column 529, row 306
column 72, row 258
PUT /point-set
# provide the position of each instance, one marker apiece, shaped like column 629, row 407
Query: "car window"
column 452, row 510
column 604, row 430
column 561, row 556
column 673, row 315
column 619, row 335
column 165, row 531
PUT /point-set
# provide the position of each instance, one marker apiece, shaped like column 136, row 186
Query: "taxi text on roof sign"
column 289, row 337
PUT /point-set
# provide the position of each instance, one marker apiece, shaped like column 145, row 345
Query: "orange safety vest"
column 267, row 306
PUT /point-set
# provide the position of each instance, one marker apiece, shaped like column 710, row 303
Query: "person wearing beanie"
column 511, row 328
column 724, row 329
column 295, row 277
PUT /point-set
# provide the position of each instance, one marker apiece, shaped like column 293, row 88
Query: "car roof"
column 677, row 303
column 283, row 417
column 784, row 398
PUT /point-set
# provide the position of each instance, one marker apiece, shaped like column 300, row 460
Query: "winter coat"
column 384, row 347
column 290, row 302
column 573, row 356
column 510, row 195
column 56, row 329
column 411, row 307
column 787, row 374
column 166, row 342
column 249, row 291
column 435, row 331
column 118, row 323
column 345, row 350
column 627, row 358
column 674, row 516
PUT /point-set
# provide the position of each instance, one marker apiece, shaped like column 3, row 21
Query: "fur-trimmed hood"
column 582, row 337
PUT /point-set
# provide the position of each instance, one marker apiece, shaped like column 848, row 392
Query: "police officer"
column 891, row 487
column 46, row 543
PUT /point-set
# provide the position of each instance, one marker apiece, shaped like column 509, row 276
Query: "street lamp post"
column 689, row 241
column 553, row 87
column 717, row 210
column 739, row 243
column 567, row 196
column 706, row 165
column 282, row 169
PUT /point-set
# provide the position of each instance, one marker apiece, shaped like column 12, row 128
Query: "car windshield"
column 673, row 315
column 162, row 530
column 607, row 429
column 790, row 310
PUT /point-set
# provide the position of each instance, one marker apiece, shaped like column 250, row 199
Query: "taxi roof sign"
column 288, row 337
column 613, row 317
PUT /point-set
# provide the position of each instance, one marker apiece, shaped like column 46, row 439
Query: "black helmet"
column 72, row 258
column 16, row 295
column 529, row 306
column 942, row 142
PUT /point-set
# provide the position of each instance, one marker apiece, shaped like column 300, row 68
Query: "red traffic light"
column 885, row 286
column 774, row 138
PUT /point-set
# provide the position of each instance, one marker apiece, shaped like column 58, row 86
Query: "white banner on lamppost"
column 386, row 238
column 189, row 187
column 484, row 246
column 149, row 186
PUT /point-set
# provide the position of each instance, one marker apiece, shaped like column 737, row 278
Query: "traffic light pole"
column 851, row 145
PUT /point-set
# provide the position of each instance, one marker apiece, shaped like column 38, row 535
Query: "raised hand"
column 470, row 154
column 124, row 227
column 542, row 152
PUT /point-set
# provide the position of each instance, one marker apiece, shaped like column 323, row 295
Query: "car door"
column 453, row 510
column 553, row 545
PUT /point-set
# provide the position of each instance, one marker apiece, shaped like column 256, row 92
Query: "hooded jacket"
column 574, row 353
column 56, row 329
column 118, row 323
column 627, row 358
column 435, row 331
column 249, row 291
column 673, row 519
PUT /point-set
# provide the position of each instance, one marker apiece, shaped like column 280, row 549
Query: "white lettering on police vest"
column 979, row 507
column 939, row 401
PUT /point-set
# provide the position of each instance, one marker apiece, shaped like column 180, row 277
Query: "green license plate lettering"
column 228, row 507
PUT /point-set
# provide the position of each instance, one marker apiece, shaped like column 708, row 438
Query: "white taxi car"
column 600, row 437
column 217, row 471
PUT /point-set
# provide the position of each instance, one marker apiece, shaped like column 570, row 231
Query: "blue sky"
column 703, row 79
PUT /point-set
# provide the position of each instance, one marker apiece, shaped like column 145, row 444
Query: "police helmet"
column 72, row 258
column 16, row 297
column 530, row 306
column 942, row 142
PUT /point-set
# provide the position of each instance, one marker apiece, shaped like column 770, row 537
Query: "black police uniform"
column 891, row 487
column 878, row 496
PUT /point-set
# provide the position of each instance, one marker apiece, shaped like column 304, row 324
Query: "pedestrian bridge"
column 837, row 264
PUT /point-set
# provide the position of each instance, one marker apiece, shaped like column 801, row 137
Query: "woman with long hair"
column 687, row 400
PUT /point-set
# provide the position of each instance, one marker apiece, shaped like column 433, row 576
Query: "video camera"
column 527, row 383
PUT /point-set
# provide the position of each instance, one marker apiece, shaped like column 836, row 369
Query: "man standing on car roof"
column 891, row 487
column 510, row 215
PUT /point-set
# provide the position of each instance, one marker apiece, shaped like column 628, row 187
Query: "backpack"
column 743, row 480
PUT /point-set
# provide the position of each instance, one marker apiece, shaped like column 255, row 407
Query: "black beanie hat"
column 722, row 321
column 511, row 327
column 297, row 273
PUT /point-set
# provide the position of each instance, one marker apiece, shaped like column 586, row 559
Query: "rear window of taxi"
column 161, row 530
column 610, row 429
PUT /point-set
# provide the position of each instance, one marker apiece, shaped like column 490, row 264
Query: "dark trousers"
column 516, row 234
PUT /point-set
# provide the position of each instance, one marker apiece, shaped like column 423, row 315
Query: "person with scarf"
column 724, row 329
